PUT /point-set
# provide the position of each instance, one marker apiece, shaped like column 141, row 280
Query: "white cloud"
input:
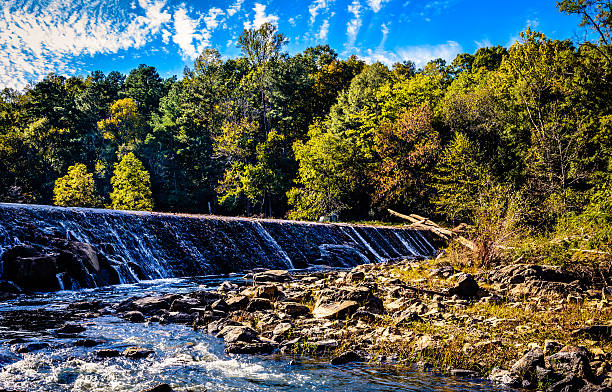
column 420, row 55
column 483, row 44
column 384, row 29
column 317, row 7
column 211, row 19
column 260, row 17
column 353, row 25
column 322, row 34
column 234, row 8
column 188, row 34
column 376, row 5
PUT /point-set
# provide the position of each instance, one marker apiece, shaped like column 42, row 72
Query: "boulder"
column 237, row 333
column 71, row 329
column 256, row 304
column 134, row 316
column 160, row 388
column 346, row 357
column 570, row 360
column 335, row 310
column 466, row 286
column 272, row 276
column 136, row 352
column 239, row 302
column 250, row 347
column 526, row 366
column 505, row 377
column 595, row 332
column 107, row 353
column 294, row 309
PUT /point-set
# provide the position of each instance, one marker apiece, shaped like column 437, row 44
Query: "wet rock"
column 136, row 352
column 107, row 353
column 184, row 304
column 148, row 305
column 216, row 326
column 272, row 276
column 71, row 329
column 466, row 286
column 179, row 318
column 239, row 333
column 595, row 332
column 8, row 290
column 463, row 373
column 227, row 286
column 526, row 366
column 31, row 347
column 505, row 377
column 134, row 316
column 570, row 360
column 294, row 309
column 324, row 346
column 250, row 348
column 87, row 342
column 281, row 331
column 335, row 310
column 92, row 305
column 160, row 388
column 256, row 304
column 346, row 357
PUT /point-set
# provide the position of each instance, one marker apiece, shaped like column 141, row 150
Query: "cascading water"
column 141, row 245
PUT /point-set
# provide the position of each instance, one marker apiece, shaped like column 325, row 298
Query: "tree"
column 459, row 179
column 131, row 185
column 145, row 87
column 75, row 189
column 596, row 14
column 124, row 127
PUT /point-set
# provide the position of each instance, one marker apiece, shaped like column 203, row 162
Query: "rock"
column 237, row 333
column 184, row 304
column 267, row 291
column 294, row 309
column 256, row 304
column 364, row 315
column 463, row 373
column 346, row 357
column 526, row 366
column 227, row 286
column 466, row 286
column 86, row 305
column 442, row 272
column 595, row 332
column 136, row 352
column 570, row 360
column 281, row 331
column 216, row 326
column 505, row 377
column 8, row 290
column 336, row 310
column 30, row 347
column 551, row 347
column 160, row 388
column 107, row 353
column 272, row 276
column 425, row 343
column 71, row 329
column 87, row 342
column 250, row 348
column 219, row 305
column 134, row 316
column 148, row 305
column 356, row 276
column 239, row 302
column 179, row 318
column 568, row 384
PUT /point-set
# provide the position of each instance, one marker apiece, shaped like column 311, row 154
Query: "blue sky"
column 79, row 36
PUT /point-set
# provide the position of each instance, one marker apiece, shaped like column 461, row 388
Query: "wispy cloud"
column 39, row 37
column 376, row 5
column 420, row 55
column 483, row 43
column 236, row 7
column 317, row 7
column 260, row 17
column 322, row 34
column 353, row 25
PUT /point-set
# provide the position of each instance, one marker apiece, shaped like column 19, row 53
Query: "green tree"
column 75, row 189
column 131, row 185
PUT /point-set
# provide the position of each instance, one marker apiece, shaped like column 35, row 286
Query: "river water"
column 186, row 359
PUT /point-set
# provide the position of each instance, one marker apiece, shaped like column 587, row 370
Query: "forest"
column 516, row 142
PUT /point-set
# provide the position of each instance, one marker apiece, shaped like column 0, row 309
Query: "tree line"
column 500, row 136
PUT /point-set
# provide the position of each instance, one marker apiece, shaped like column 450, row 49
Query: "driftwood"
column 423, row 223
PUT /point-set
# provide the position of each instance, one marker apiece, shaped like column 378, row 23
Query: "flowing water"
column 186, row 359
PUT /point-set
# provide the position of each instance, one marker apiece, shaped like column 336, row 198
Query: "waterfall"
column 141, row 245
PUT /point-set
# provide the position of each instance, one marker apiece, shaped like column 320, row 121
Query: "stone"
column 219, row 305
column 250, row 348
column 294, row 309
column 160, row 388
column 272, row 276
column 71, row 329
column 136, row 352
column 237, row 333
column 425, row 343
column 184, row 304
column 551, row 347
column 216, row 326
column 525, row 367
column 335, row 310
column 180, row 318
column 239, row 302
column 570, row 360
column 346, row 357
column 134, row 316
column 86, row 305
column 466, row 286
column 30, row 347
column 88, row 342
column 595, row 332
column 256, row 304
column 463, row 373
column 107, row 353
column 505, row 377
column 281, row 330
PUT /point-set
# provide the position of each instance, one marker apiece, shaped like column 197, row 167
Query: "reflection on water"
column 187, row 360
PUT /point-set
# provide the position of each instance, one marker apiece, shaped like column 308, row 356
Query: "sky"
column 76, row 37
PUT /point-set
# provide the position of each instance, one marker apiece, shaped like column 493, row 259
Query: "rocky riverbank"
column 525, row 326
